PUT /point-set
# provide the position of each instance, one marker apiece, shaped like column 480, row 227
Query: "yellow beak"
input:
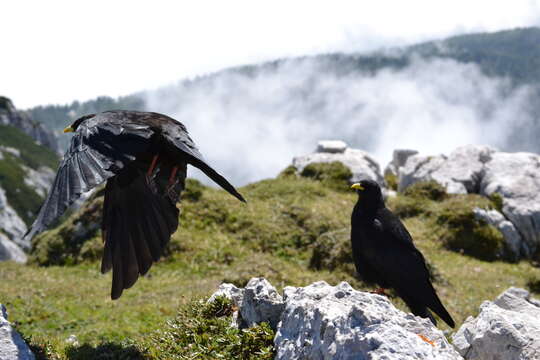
column 357, row 186
column 68, row 129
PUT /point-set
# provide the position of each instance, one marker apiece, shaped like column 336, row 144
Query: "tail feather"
column 137, row 224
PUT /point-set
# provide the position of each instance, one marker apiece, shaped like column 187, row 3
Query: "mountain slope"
column 26, row 172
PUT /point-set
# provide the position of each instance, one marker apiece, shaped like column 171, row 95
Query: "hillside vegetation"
column 23, row 198
column 293, row 231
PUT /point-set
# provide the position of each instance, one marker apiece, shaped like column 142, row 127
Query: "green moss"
column 333, row 174
column 497, row 201
column 431, row 190
column 407, row 206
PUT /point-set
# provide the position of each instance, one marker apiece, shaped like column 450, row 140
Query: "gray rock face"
column 12, row 346
column 41, row 180
column 261, row 302
column 320, row 321
column 514, row 244
column 399, row 158
column 516, row 176
column 483, row 170
column 337, row 322
column 460, row 172
column 21, row 120
column 507, row 328
column 11, row 251
column 361, row 164
column 10, row 223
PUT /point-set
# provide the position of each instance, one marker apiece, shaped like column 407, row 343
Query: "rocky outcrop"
column 9, row 115
column 460, row 172
column 399, row 159
column 484, row 170
column 10, row 223
column 320, row 321
column 361, row 164
column 513, row 241
column 507, row 328
column 12, row 346
column 10, row 251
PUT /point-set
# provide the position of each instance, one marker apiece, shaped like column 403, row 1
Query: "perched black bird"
column 384, row 254
column 143, row 156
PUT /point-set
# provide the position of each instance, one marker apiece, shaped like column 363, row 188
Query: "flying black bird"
column 143, row 156
column 384, row 254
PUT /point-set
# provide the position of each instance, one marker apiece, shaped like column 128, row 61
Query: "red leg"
column 380, row 291
column 152, row 165
column 173, row 175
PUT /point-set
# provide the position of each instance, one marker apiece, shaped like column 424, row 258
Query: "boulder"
column 484, row 170
column 516, row 176
column 12, row 346
column 399, row 158
column 513, row 242
column 337, row 322
column 261, row 302
column 361, row 164
column 460, row 172
column 320, row 321
column 507, row 328
column 10, row 251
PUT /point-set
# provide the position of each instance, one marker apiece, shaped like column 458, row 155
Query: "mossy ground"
column 287, row 223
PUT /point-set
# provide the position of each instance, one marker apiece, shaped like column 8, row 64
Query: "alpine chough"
column 384, row 254
column 143, row 157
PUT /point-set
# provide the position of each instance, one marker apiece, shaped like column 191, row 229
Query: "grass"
column 293, row 231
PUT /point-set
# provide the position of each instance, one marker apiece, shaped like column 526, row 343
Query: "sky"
column 60, row 51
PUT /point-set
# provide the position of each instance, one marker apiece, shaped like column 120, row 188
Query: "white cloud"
column 250, row 127
column 58, row 51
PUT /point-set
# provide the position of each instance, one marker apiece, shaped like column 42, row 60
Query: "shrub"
column 332, row 251
column 202, row 330
column 431, row 190
column 391, row 181
column 467, row 234
column 333, row 174
column 193, row 191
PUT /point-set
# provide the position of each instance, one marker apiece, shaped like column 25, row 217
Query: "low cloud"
column 250, row 124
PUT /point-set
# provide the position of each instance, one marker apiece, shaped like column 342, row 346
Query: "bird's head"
column 368, row 191
column 73, row 127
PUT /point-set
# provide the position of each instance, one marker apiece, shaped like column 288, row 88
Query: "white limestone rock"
column 337, row 322
column 331, row 146
column 399, row 158
column 516, row 176
column 512, row 238
column 9, row 251
column 261, row 302
column 460, row 172
column 10, row 222
column 12, row 346
column 361, row 164
column 230, row 291
column 507, row 328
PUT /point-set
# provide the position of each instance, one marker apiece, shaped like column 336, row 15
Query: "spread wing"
column 101, row 148
column 404, row 267
column 178, row 136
